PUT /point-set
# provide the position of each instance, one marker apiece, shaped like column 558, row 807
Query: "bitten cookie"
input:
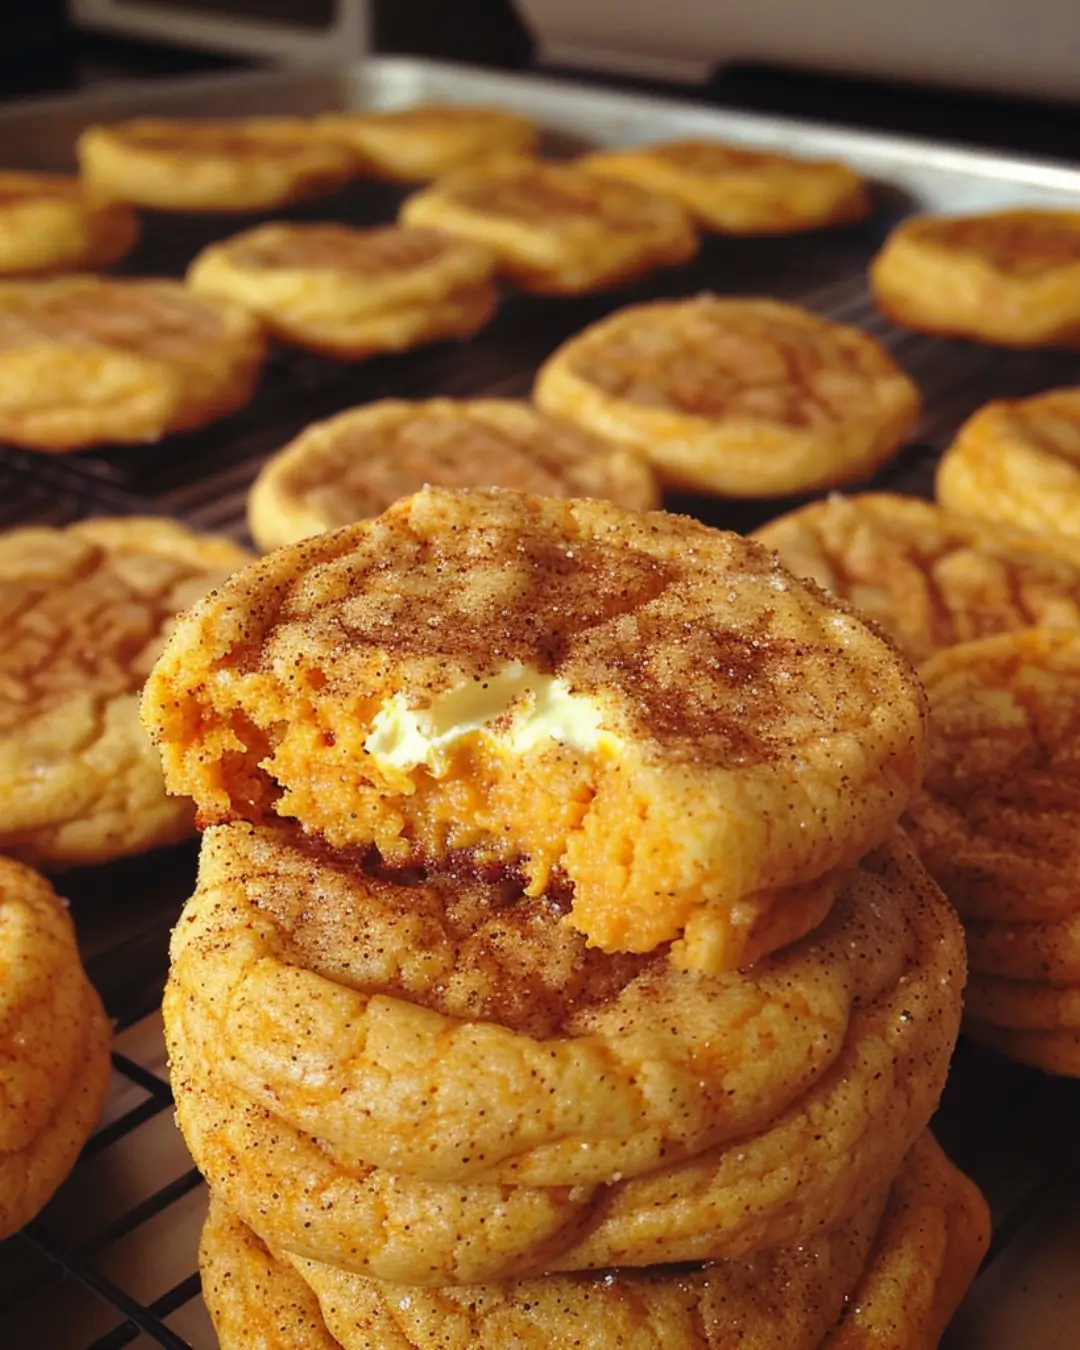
column 560, row 685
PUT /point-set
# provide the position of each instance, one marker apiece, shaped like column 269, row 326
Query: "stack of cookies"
column 556, row 973
column 998, row 824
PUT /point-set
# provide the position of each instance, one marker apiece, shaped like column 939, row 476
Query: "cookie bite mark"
column 654, row 710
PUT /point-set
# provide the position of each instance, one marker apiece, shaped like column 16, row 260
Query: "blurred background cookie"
column 554, row 228
column 737, row 191
column 54, row 1046
column 929, row 577
column 998, row 824
column 358, row 463
column 88, row 361
column 248, row 164
column 1007, row 277
column 1017, row 461
column 49, row 223
column 428, row 139
column 350, row 292
column 86, row 611
column 737, row 397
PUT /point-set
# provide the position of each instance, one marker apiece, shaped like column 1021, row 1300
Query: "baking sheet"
column 1013, row 1129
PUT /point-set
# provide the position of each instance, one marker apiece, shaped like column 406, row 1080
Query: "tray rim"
column 339, row 81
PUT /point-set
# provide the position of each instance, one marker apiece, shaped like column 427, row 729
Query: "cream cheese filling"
column 518, row 708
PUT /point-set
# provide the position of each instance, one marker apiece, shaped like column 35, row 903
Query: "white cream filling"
column 531, row 707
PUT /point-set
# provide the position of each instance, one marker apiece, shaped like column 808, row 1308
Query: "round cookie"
column 88, row 361
column 348, row 292
column 1026, row 951
column 930, row 578
column 1056, row 1051
column 997, row 821
column 358, row 463
column 1023, row 1005
column 554, row 229
column 732, row 396
column 54, row 1044
column 735, row 190
column 86, row 611
column 48, row 223
column 898, row 1285
column 1017, row 462
column 799, row 1173
column 1011, row 278
column 643, row 682
column 244, row 164
column 429, row 139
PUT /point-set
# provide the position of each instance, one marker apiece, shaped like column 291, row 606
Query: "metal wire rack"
column 111, row 1262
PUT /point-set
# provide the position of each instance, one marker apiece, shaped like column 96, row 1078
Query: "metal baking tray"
column 111, row 1263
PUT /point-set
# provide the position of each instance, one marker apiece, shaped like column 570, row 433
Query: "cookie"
column 360, row 462
column 1023, row 1005
column 1017, row 462
column 554, row 229
column 428, row 139
column 1025, row 950
column 54, row 1043
column 891, row 1280
column 48, row 223
column 1055, row 1051
column 997, row 821
column 85, row 611
column 734, row 190
column 534, row 1004
column 245, row 164
column 643, row 682
column 929, row 577
column 1011, row 278
column 737, row 397
column 350, row 293
column 89, row 361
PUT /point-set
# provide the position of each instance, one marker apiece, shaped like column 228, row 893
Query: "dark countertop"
column 1045, row 130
